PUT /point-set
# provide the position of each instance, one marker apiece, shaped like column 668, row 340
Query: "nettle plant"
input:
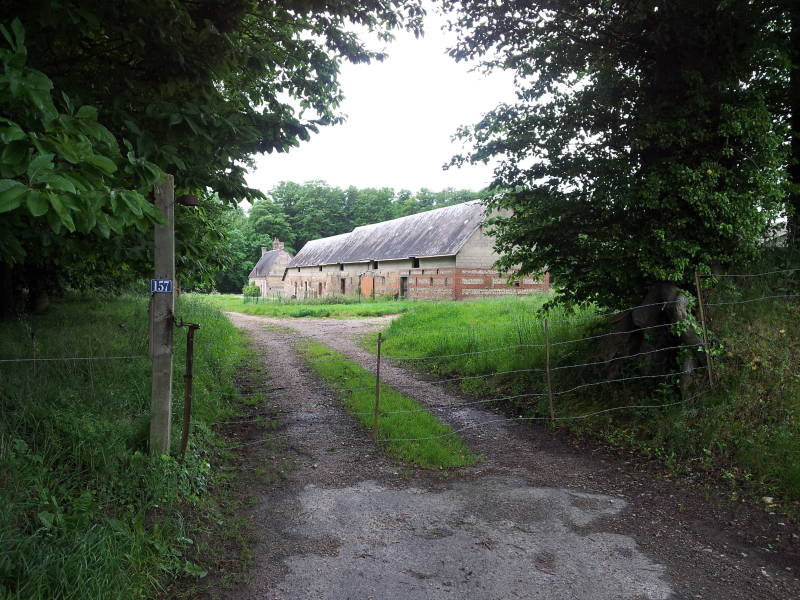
column 61, row 170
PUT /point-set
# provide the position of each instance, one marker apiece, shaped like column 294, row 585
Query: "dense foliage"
column 646, row 141
column 101, row 98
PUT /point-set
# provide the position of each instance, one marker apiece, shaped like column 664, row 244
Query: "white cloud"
column 401, row 116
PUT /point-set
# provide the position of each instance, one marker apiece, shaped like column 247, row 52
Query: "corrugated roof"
column 264, row 264
column 439, row 232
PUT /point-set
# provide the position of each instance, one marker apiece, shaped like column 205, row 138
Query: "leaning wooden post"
column 709, row 365
column 377, row 391
column 162, row 310
column 549, row 382
column 187, row 386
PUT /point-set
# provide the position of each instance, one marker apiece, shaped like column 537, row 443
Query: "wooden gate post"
column 188, row 379
column 547, row 366
column 162, row 320
column 709, row 364
column 376, row 412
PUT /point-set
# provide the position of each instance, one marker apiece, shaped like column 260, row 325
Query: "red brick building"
column 439, row 254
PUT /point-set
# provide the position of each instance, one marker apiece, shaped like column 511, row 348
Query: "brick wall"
column 481, row 283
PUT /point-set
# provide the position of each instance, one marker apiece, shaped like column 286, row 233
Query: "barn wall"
column 477, row 252
column 272, row 285
column 482, row 283
column 436, row 279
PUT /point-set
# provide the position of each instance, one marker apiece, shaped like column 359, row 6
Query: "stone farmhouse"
column 439, row 254
column 269, row 270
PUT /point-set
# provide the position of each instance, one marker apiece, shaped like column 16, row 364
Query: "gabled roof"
column 439, row 232
column 264, row 264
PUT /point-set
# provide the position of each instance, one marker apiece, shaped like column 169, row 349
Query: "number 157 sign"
column 161, row 286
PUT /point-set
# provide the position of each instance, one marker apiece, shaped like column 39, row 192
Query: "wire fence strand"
column 72, row 358
column 721, row 275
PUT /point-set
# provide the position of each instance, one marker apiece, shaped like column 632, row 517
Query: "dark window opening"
column 343, row 287
column 516, row 284
column 374, row 265
column 320, row 267
column 414, row 263
column 298, row 269
column 341, row 266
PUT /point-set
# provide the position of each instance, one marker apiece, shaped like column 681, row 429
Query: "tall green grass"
column 398, row 432
column 338, row 307
column 86, row 511
column 507, row 334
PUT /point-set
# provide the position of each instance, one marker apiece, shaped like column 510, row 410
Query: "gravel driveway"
column 538, row 517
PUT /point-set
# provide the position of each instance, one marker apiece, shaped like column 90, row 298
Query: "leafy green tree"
column 642, row 145
column 193, row 88
column 268, row 220
column 198, row 87
column 313, row 209
column 62, row 174
column 369, row 205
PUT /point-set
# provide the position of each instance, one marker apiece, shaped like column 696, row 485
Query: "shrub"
column 251, row 291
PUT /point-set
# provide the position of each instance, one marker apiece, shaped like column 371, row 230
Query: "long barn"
column 439, row 254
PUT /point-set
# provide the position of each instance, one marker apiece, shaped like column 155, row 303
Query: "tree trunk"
column 646, row 330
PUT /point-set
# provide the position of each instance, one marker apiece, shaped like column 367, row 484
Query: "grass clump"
column 445, row 450
column 507, row 333
column 87, row 512
column 337, row 307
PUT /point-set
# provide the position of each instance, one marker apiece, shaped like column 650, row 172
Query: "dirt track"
column 537, row 518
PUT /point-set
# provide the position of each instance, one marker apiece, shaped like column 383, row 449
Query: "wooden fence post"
column 709, row 364
column 549, row 383
column 377, row 391
column 162, row 310
column 187, row 386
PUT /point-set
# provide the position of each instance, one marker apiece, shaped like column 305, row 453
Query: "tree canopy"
column 101, row 98
column 644, row 143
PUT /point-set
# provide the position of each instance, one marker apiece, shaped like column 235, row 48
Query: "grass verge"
column 441, row 452
column 338, row 307
column 87, row 512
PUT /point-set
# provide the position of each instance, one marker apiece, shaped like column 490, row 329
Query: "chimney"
column 264, row 250
column 277, row 244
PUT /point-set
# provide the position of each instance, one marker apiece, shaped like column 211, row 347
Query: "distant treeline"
column 296, row 213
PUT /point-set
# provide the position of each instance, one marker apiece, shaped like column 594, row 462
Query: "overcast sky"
column 401, row 116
